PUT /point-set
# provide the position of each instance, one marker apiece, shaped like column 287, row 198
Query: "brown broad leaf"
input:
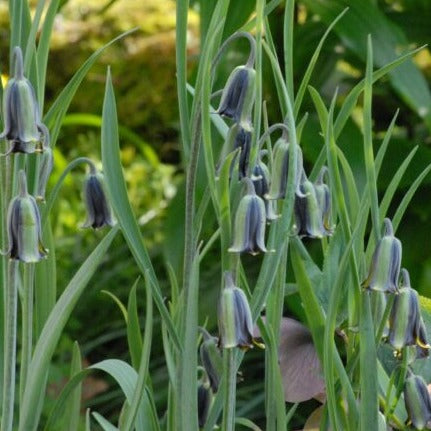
column 299, row 364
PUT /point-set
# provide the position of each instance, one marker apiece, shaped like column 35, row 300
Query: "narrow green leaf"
column 408, row 197
column 54, row 117
column 45, row 347
column 139, row 390
column 105, row 424
column 71, row 421
column 369, row 405
column 310, row 68
column 120, row 202
column 134, row 337
column 119, row 304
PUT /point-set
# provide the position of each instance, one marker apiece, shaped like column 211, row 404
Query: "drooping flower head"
column 249, row 226
column 261, row 178
column 234, row 317
column 24, row 227
column 309, row 216
column 417, row 401
column 205, row 398
column 98, row 209
column 238, row 94
column 386, row 262
column 406, row 327
column 22, row 124
column 280, row 168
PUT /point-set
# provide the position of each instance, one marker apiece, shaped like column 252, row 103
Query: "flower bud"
column 24, row 228
column 45, row 168
column 205, row 397
column 238, row 95
column 418, row 402
column 386, row 262
column 22, row 125
column 406, row 327
column 96, row 202
column 323, row 196
column 211, row 359
column 260, row 177
column 234, row 317
column 249, row 228
column 308, row 212
column 280, row 168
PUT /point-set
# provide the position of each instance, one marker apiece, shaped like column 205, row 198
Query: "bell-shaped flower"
column 24, row 227
column 386, row 262
column 238, row 94
column 205, row 398
column 211, row 359
column 406, row 327
column 280, row 168
column 234, row 317
column 249, row 227
column 261, row 177
column 22, row 125
column 99, row 212
column 417, row 401
column 309, row 217
column 239, row 136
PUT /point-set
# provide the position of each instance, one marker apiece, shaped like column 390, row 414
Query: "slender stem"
column 27, row 324
column 50, row 201
column 10, row 348
column 230, row 390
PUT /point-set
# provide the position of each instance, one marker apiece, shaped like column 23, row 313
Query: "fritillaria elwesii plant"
column 274, row 224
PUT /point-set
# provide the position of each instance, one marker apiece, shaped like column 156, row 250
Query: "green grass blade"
column 43, row 49
column 368, row 143
column 369, row 405
column 351, row 99
column 289, row 13
column 139, row 390
column 124, row 132
column 74, row 405
column 408, row 197
column 134, row 337
column 310, row 68
column 105, row 424
column 120, row 202
column 54, row 117
column 393, row 185
column 52, row 330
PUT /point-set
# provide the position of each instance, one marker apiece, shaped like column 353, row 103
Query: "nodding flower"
column 249, row 227
column 239, row 136
column 417, row 401
column 385, row 263
column 24, row 227
column 238, row 94
column 406, row 327
column 205, row 398
column 234, row 317
column 309, row 211
column 261, row 180
column 324, row 198
column 98, row 209
column 280, row 169
column 22, row 125
column 211, row 359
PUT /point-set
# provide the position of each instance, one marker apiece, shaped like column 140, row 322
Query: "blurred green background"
column 143, row 70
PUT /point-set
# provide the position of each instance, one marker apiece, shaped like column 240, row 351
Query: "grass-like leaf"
column 118, row 197
column 29, row 416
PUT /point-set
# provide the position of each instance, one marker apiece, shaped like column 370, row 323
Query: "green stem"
column 50, row 201
column 10, row 348
column 229, row 365
column 27, row 324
